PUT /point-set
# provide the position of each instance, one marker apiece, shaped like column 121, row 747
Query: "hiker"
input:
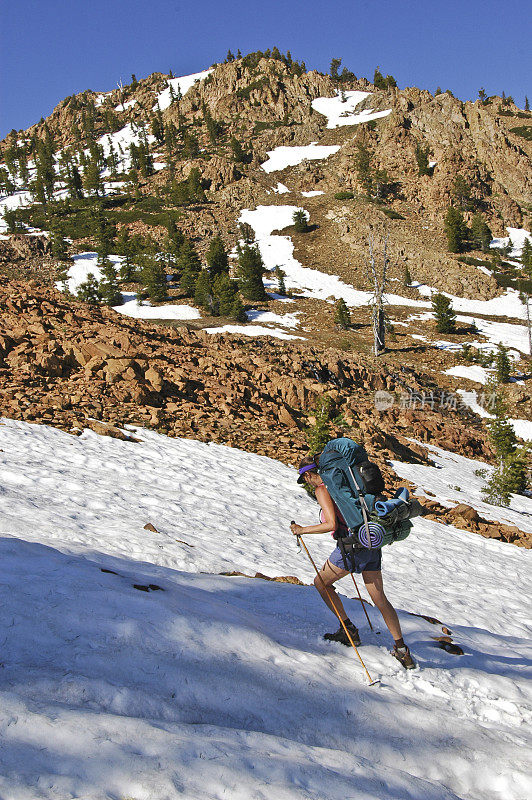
column 366, row 561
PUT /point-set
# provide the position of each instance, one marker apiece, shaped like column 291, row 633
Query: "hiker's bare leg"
column 373, row 581
column 329, row 574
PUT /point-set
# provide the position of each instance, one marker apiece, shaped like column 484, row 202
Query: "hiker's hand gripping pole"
column 342, row 623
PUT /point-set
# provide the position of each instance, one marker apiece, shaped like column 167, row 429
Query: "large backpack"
column 356, row 485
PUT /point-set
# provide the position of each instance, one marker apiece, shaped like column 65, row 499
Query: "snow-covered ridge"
column 205, row 683
column 341, row 110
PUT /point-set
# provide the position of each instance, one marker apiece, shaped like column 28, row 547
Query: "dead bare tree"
column 377, row 276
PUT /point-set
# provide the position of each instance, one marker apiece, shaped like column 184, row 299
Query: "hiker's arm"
column 329, row 517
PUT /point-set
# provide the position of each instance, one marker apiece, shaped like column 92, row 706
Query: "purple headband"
column 306, row 469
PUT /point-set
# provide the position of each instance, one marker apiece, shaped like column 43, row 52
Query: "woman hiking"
column 367, row 562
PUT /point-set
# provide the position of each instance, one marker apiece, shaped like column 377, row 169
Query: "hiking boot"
column 341, row 636
column 402, row 654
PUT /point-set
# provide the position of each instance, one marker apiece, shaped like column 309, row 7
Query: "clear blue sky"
column 53, row 48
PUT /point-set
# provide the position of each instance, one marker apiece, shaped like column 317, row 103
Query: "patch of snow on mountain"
column 505, row 305
column 268, row 317
column 131, row 308
column 289, row 156
column 280, row 189
column 126, row 105
column 254, row 330
column 211, row 682
column 312, row 193
column 10, row 202
column 182, row 84
column 343, row 112
column 120, row 141
column 516, row 237
column 472, row 373
column 278, row 251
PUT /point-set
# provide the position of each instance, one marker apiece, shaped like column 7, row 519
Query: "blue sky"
column 53, row 48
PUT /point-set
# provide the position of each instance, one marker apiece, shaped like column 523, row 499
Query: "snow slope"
column 288, row 156
column 216, row 686
column 182, row 84
column 343, row 112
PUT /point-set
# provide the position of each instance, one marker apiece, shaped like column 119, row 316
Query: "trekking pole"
column 361, row 601
column 342, row 623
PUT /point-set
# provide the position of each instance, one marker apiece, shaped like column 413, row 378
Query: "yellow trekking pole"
column 342, row 623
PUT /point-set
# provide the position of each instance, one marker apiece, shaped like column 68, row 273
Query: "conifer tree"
column 189, row 266
column 153, row 276
column 246, row 232
column 239, row 154
column 335, row 65
column 378, row 79
column 58, row 243
column 318, row 434
column 195, row 186
column 92, row 180
column 176, row 237
column 407, row 278
column 527, row 104
column 216, row 257
column 108, row 286
column 190, row 145
column 363, row 167
column 299, row 218
column 509, row 475
column 229, row 57
column 480, row 233
column 124, row 246
column 249, row 272
column 462, row 193
column 342, row 317
column 455, row 230
column 88, row 291
column 157, row 125
column 444, row 313
column 503, row 365
column 203, row 292
column 422, row 158
column 226, row 293
column 281, row 287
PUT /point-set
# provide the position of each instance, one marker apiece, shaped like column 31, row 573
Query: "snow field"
column 217, row 684
column 288, row 156
column 340, row 112
column 182, row 84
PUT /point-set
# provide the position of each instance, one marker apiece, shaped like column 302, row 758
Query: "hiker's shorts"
column 364, row 559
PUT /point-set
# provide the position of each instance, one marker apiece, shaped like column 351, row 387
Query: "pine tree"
column 88, row 291
column 58, row 243
column 195, row 186
column 526, row 256
column 503, row 365
column 462, row 193
column 444, row 313
column 363, row 167
column 188, row 266
column 342, row 317
column 527, row 104
column 335, row 65
column 249, row 272
column 216, row 257
column 281, row 287
column 92, row 180
column 124, row 246
column 203, row 292
column 456, row 231
column 378, row 79
column 407, row 278
column 153, row 276
column 176, row 237
column 319, row 433
column 299, row 218
column 422, row 158
column 480, row 233
column 239, row 154
column 246, row 232
column 108, row 287
column 229, row 57
column 190, row 145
